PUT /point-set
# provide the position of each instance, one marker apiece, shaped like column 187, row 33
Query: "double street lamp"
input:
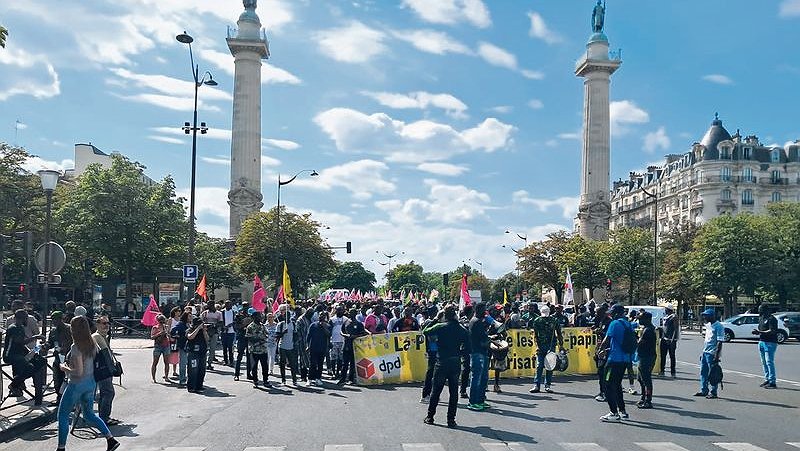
column 208, row 80
column 390, row 256
column 312, row 173
column 49, row 180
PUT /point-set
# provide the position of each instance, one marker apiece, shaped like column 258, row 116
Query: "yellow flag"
column 287, row 285
column 505, row 297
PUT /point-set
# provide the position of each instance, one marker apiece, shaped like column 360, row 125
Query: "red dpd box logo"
column 365, row 368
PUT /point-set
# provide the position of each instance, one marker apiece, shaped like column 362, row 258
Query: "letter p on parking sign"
column 190, row 273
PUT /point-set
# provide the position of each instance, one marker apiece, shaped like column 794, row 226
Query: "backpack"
column 629, row 341
column 104, row 367
column 715, row 375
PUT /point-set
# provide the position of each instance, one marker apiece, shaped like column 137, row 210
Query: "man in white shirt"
column 338, row 322
column 228, row 333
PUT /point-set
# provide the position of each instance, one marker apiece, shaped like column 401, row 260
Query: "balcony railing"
column 748, row 202
column 773, row 181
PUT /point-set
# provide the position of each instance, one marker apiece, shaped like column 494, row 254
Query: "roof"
column 715, row 135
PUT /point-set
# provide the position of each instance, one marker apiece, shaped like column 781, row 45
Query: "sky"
column 435, row 125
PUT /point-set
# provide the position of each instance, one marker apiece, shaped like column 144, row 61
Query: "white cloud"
column 450, row 12
column 170, row 85
column 34, row 164
column 354, row 43
column 657, row 139
column 540, row 30
column 363, row 178
column 536, row 104
column 269, row 161
column 446, row 169
column 571, row 135
column 501, row 109
column 269, row 74
column 718, row 79
column 24, row 73
column 430, row 41
column 568, row 205
column 209, row 200
column 447, row 204
column 500, row 57
column 281, row 144
column 219, row 159
column 167, row 139
column 420, row 100
column 625, row 113
column 790, row 8
column 169, row 102
column 415, row 142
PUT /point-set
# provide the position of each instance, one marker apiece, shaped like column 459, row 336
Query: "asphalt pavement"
column 232, row 416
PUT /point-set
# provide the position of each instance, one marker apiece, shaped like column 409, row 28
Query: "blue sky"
column 436, row 125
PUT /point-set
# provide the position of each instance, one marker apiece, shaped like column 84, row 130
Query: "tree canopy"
column 353, row 276
column 539, row 262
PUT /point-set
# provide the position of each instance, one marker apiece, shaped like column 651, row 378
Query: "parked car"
column 792, row 322
column 742, row 326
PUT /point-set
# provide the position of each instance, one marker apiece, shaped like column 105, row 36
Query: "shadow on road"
column 498, row 434
column 671, row 429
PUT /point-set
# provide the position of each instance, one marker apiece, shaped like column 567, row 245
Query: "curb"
column 24, row 426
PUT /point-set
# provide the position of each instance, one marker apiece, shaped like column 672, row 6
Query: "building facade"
column 88, row 154
column 722, row 174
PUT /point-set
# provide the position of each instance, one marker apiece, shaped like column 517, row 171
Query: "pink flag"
column 150, row 313
column 275, row 304
column 258, row 295
column 464, row 300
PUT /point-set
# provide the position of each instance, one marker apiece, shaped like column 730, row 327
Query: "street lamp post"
column 185, row 38
column 522, row 236
column 49, row 180
column 654, row 196
column 390, row 256
column 312, row 173
column 516, row 252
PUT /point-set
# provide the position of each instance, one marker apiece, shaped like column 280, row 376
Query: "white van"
column 657, row 312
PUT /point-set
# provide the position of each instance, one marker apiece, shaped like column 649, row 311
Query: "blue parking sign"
column 189, row 273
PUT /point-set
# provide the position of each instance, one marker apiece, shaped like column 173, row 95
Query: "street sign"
column 55, row 279
column 190, row 273
column 57, row 257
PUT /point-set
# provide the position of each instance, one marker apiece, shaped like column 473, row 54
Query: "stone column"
column 594, row 211
column 248, row 48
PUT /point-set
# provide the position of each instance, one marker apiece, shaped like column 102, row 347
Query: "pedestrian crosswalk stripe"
column 661, row 446
column 511, row 446
column 265, row 448
column 734, row 446
column 582, row 446
column 422, row 447
column 344, row 447
column 795, row 444
column 185, row 448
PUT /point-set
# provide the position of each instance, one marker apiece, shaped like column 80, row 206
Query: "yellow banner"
column 400, row 357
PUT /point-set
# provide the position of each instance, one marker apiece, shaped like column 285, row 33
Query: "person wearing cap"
column 712, row 349
column 59, row 340
column 767, row 344
column 547, row 332
column 618, row 361
column 669, row 340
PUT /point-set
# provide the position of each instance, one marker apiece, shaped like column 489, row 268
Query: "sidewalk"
column 18, row 415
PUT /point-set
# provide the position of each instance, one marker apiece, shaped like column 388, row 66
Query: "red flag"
column 201, row 288
column 275, row 304
column 150, row 313
column 464, row 300
column 258, row 295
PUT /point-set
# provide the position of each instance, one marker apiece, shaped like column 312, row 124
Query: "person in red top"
column 161, row 348
column 407, row 323
column 376, row 322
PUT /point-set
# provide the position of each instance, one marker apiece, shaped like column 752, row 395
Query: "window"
column 776, row 155
column 747, row 153
column 776, row 177
column 747, row 197
column 725, row 153
column 725, row 174
column 726, row 194
column 776, row 196
column 747, row 175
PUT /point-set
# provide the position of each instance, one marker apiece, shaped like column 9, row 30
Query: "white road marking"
column 511, row 446
column 185, row 448
column 344, row 447
column 795, row 444
column 742, row 373
column 739, row 446
column 422, row 447
column 265, row 448
column 582, row 447
column 661, row 446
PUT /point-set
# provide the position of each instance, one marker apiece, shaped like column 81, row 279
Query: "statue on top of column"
column 598, row 17
column 250, row 4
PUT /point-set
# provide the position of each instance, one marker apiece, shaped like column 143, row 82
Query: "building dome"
column 715, row 135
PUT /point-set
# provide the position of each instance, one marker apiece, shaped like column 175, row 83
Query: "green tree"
column 781, row 281
column 22, row 199
column 675, row 278
column 475, row 281
column 511, row 282
column 125, row 224
column 214, row 258
column 353, row 276
column 539, row 262
column 433, row 281
column 629, row 257
column 583, row 258
column 260, row 249
column 729, row 256
column 407, row 276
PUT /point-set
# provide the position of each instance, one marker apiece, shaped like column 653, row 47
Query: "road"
column 233, row 416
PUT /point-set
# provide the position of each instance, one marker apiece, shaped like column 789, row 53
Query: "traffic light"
column 608, row 284
column 446, row 279
column 349, row 247
column 22, row 288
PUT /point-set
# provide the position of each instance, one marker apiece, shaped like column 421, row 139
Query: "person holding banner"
column 452, row 341
column 479, row 358
column 546, row 330
column 352, row 330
